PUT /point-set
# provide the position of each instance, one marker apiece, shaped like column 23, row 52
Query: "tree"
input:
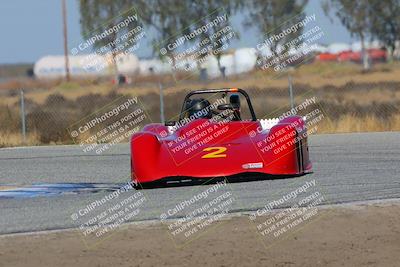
column 356, row 16
column 106, row 21
column 173, row 19
column 168, row 18
column 205, row 12
column 386, row 22
column 272, row 17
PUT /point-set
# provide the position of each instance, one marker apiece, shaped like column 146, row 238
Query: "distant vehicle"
column 327, row 57
column 348, row 55
column 374, row 54
column 215, row 140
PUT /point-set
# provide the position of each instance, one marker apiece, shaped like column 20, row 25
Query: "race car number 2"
column 215, row 152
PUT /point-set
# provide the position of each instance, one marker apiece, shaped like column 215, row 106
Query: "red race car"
column 216, row 138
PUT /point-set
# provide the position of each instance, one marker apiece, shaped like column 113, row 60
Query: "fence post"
column 161, row 103
column 291, row 91
column 23, row 124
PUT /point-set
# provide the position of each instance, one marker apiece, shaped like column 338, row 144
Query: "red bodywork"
column 203, row 149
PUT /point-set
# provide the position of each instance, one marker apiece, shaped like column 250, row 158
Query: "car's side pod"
column 289, row 146
column 148, row 145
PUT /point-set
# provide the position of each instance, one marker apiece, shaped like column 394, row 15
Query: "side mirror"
column 170, row 123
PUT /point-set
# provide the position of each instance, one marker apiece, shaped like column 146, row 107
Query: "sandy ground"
column 357, row 235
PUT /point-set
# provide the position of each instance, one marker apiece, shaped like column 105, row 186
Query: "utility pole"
column 64, row 16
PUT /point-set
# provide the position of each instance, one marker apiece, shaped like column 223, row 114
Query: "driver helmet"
column 200, row 108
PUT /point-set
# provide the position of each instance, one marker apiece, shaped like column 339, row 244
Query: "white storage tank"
column 52, row 67
column 153, row 66
column 338, row 47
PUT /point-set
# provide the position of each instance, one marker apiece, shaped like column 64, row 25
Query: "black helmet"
column 199, row 108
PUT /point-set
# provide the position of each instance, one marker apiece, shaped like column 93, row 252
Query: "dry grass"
column 351, row 124
column 318, row 75
column 11, row 139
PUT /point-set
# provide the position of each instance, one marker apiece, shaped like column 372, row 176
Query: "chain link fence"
column 351, row 107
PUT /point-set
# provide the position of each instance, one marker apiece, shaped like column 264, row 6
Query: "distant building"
column 52, row 67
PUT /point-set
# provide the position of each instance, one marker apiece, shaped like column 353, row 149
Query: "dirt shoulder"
column 359, row 235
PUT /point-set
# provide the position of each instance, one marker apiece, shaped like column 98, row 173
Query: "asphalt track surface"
column 347, row 168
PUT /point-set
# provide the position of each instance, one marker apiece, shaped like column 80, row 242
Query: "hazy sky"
column 33, row 28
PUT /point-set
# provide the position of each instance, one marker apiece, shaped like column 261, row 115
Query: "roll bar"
column 222, row 90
